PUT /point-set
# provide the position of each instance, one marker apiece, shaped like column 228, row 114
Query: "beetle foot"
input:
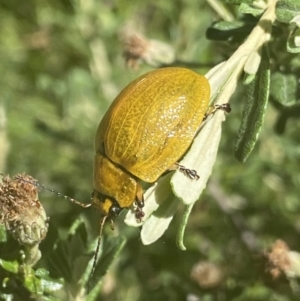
column 190, row 173
column 139, row 214
column 224, row 106
column 211, row 110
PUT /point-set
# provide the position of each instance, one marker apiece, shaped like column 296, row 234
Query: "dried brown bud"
column 207, row 274
column 138, row 48
column 282, row 260
column 20, row 210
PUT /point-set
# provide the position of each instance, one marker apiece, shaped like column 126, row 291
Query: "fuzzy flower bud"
column 22, row 213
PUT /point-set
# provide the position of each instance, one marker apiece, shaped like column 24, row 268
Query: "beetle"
column 146, row 130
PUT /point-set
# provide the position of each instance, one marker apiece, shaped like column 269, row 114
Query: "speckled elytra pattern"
column 153, row 121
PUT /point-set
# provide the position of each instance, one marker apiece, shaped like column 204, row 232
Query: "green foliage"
column 61, row 66
column 254, row 108
column 237, row 1
column 224, row 30
column 286, row 10
column 284, row 88
column 69, row 266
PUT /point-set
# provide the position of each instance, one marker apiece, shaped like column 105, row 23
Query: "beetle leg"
column 211, row 110
column 190, row 173
column 139, row 213
column 139, row 195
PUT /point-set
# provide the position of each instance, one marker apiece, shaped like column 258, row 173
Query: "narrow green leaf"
column 227, row 26
column 111, row 249
column 182, row 226
column 257, row 94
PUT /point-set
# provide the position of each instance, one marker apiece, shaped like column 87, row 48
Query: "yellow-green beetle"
column 146, row 130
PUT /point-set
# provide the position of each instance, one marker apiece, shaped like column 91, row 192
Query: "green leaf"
column 286, row 10
column 284, row 88
column 225, row 30
column 257, row 94
column 202, row 157
column 248, row 78
column 33, row 284
column 6, row 297
column 295, row 62
column 111, row 249
column 39, row 282
column 245, row 8
column 256, row 292
column 237, row 1
column 159, row 221
column 292, row 44
column 70, row 258
column 3, row 237
column 50, row 285
column 10, row 266
column 47, row 284
column 42, row 273
column 49, row 298
column 182, row 226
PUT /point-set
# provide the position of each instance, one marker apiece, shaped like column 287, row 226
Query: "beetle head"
column 106, row 205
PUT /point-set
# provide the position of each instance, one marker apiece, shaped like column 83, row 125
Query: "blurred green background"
column 61, row 66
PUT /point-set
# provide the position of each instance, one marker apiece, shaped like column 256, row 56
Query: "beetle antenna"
column 38, row 185
column 102, row 223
